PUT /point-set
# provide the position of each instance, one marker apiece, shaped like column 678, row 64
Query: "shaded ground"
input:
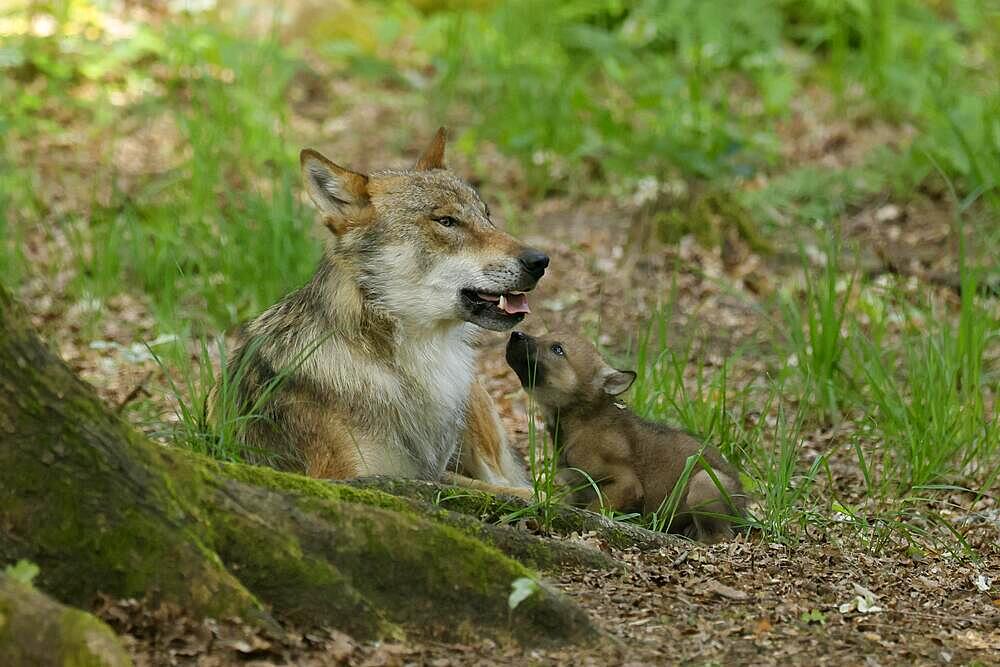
column 745, row 602
column 739, row 603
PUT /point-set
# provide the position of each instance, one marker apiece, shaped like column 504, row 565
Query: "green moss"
column 86, row 642
column 35, row 629
column 386, row 555
column 302, row 587
column 119, row 526
column 308, row 486
column 419, row 570
column 398, row 561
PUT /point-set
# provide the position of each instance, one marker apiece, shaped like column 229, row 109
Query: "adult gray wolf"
column 370, row 367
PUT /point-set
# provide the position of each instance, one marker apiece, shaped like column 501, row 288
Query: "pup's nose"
column 535, row 262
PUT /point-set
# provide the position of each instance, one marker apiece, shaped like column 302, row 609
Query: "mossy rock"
column 36, row 630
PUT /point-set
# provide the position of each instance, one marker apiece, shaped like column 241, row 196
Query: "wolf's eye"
column 446, row 221
column 558, row 350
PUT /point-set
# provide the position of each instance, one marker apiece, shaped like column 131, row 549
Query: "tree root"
column 560, row 519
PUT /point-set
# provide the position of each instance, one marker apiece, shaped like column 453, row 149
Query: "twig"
column 139, row 388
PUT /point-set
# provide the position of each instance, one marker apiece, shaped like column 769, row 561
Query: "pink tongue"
column 514, row 303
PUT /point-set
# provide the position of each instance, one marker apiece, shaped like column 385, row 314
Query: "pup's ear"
column 433, row 155
column 615, row 382
column 339, row 193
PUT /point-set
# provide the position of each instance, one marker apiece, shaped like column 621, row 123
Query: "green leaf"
column 521, row 590
column 24, row 571
column 813, row 616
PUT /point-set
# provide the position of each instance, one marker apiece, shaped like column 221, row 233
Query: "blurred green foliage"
column 598, row 96
column 696, row 86
column 212, row 235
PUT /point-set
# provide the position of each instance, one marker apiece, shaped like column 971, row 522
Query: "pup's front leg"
column 622, row 492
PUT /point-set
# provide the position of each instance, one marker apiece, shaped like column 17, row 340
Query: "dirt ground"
column 828, row 600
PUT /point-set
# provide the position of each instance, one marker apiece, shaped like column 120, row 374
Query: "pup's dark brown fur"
column 635, row 463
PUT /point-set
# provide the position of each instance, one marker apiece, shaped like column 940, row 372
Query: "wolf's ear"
column 615, row 382
column 433, row 155
column 340, row 194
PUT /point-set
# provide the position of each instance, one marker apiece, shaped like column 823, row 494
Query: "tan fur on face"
column 635, row 463
column 575, row 378
column 386, row 228
column 378, row 351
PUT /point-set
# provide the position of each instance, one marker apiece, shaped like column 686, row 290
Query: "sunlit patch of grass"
column 925, row 395
column 815, row 331
column 212, row 415
column 215, row 235
column 225, row 234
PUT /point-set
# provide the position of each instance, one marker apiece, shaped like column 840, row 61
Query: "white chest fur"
column 436, row 375
column 411, row 406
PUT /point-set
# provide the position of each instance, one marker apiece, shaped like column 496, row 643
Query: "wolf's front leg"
column 485, row 454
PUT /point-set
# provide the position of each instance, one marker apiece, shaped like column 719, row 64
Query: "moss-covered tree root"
column 100, row 508
column 532, row 550
column 560, row 519
column 37, row 630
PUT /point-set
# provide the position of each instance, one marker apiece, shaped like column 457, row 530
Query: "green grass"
column 814, row 327
column 647, row 87
column 226, row 207
column 926, row 394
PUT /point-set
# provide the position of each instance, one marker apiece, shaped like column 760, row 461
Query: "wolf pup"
column 635, row 463
column 376, row 353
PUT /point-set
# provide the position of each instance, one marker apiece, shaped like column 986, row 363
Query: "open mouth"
column 496, row 311
column 511, row 303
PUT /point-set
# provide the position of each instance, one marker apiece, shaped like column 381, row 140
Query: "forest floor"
column 829, row 598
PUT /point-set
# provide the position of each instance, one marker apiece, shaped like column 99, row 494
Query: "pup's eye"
column 446, row 221
column 558, row 350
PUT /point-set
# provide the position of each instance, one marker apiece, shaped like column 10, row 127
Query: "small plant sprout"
column 520, row 590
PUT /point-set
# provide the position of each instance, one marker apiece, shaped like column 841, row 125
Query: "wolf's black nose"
column 518, row 335
column 535, row 262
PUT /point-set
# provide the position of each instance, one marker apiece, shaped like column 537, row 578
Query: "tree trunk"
column 100, row 508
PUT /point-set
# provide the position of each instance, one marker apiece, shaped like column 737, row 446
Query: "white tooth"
column 503, row 302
